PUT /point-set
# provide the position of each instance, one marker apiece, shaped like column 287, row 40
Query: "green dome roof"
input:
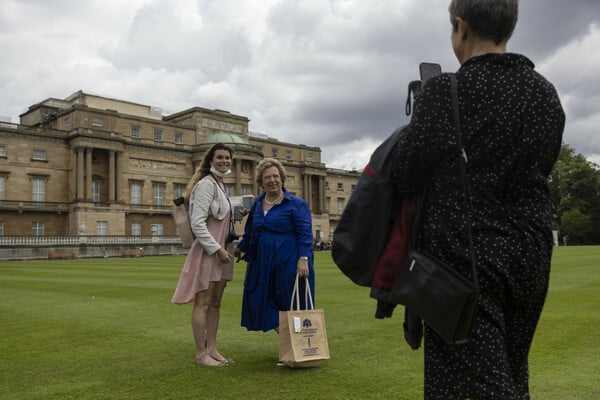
column 226, row 138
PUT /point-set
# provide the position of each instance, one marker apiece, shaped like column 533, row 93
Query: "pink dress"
column 200, row 268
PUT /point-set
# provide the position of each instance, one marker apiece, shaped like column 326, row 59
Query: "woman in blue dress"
column 277, row 245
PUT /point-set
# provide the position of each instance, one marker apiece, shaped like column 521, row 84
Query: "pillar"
column 80, row 172
column 111, row 176
column 88, row 172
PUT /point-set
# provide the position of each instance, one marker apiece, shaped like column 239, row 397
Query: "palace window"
column 38, row 189
column 288, row 154
column 38, row 154
column 136, row 193
column 96, row 191
column 2, row 151
column 340, row 204
column 229, row 189
column 1, row 228
column 275, row 152
column 246, row 189
column 158, row 229
column 340, row 186
column 101, row 228
column 97, row 122
column 159, row 192
column 158, row 135
column 37, row 228
column 136, row 229
column 1, row 187
column 136, row 131
column 179, row 189
column 179, row 137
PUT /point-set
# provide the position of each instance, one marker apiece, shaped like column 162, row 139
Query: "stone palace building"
column 97, row 166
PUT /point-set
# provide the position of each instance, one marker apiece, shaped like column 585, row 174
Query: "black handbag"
column 431, row 290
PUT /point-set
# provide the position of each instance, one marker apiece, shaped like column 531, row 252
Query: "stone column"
column 238, row 176
column 255, row 187
column 111, row 176
column 321, row 194
column 80, row 172
column 88, row 172
column 118, row 175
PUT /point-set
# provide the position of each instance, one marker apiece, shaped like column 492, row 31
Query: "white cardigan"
column 207, row 198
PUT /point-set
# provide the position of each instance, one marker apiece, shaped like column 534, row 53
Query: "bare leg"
column 199, row 322
column 212, row 320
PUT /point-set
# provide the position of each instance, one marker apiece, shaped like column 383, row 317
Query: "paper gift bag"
column 302, row 333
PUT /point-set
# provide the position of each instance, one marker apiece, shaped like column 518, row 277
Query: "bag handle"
column 296, row 296
column 462, row 164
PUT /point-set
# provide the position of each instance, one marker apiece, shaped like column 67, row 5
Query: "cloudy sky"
column 327, row 73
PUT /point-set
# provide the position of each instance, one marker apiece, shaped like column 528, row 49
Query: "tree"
column 575, row 195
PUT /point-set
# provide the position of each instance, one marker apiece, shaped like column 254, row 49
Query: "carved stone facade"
column 91, row 165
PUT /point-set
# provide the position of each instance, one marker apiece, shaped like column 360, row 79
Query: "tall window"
column 37, row 228
column 340, row 205
column 179, row 189
column 158, row 229
column 1, row 187
column 136, row 193
column 1, row 228
column 159, row 192
column 96, row 191
column 2, row 151
column 101, row 228
column 136, row 229
column 275, row 152
column 38, row 188
column 136, row 131
column 288, row 154
column 158, row 135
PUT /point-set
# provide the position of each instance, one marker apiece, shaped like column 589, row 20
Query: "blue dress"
column 272, row 244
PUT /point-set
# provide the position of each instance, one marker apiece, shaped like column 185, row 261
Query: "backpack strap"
column 462, row 166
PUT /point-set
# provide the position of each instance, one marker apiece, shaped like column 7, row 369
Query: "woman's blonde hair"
column 268, row 163
column 204, row 168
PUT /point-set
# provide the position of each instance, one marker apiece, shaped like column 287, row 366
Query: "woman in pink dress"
column 208, row 265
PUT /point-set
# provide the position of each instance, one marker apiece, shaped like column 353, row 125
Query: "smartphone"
column 429, row 70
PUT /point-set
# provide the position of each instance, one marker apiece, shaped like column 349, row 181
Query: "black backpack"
column 366, row 222
column 373, row 207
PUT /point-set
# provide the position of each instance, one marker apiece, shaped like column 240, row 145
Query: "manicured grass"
column 105, row 329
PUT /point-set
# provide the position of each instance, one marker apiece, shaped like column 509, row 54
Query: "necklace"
column 274, row 201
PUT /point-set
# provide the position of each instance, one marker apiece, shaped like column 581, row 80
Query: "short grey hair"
column 268, row 163
column 488, row 19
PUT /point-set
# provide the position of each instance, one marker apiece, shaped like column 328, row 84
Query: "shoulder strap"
column 462, row 165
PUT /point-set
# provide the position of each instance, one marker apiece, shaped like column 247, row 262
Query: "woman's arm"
column 303, row 228
column 202, row 197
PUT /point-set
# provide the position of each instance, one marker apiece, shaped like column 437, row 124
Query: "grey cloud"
column 545, row 25
column 157, row 39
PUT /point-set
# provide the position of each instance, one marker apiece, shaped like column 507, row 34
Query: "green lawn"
column 105, row 329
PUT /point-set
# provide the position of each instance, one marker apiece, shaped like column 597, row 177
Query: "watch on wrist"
column 303, row 258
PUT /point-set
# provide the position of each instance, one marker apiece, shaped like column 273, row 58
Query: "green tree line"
column 575, row 194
